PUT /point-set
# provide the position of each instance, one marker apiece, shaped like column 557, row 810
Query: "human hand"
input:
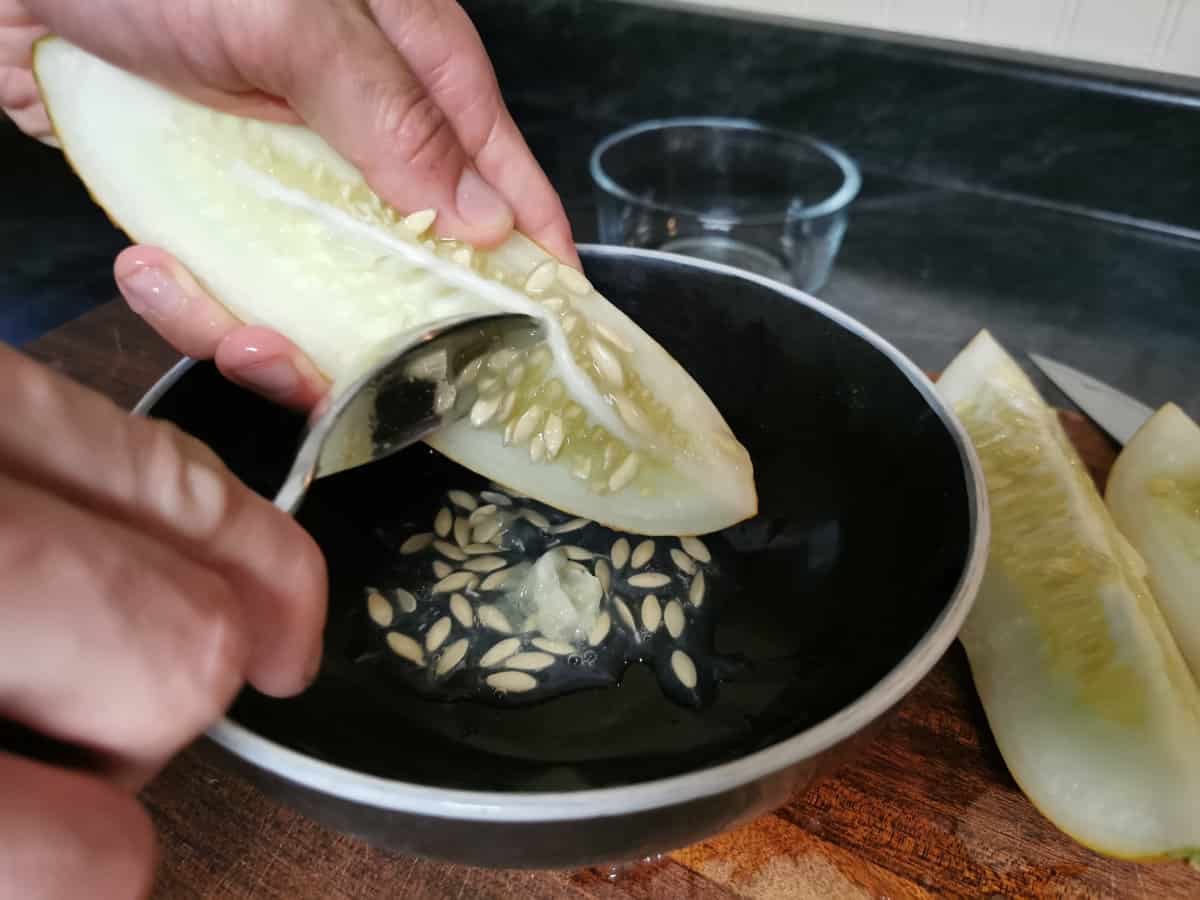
column 401, row 88
column 142, row 584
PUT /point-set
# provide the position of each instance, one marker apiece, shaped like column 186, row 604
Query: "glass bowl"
column 727, row 190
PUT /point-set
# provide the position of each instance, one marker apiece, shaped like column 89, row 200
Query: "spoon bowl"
column 407, row 390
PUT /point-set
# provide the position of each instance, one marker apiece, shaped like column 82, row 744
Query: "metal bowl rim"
column 448, row 803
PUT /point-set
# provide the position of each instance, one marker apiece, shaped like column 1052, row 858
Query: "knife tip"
column 1045, row 364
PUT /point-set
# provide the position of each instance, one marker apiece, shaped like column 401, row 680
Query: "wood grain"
column 927, row 810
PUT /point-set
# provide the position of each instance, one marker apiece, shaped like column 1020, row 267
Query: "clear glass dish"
column 727, row 190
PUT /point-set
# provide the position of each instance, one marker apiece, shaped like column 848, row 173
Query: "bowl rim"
column 829, row 205
column 451, row 803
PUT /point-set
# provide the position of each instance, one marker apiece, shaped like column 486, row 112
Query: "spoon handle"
column 292, row 493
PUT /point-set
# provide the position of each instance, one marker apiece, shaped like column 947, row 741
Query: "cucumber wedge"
column 1154, row 495
column 599, row 422
column 1091, row 703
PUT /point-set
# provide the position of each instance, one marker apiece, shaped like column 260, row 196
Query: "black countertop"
column 1058, row 212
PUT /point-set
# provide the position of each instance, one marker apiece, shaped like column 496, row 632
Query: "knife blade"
column 1117, row 413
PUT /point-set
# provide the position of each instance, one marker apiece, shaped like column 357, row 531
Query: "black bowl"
column 850, row 583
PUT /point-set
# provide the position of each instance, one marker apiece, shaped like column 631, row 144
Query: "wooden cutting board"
column 927, row 810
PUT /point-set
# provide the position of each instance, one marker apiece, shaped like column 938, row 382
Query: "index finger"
column 163, row 482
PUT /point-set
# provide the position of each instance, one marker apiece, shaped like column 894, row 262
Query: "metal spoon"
column 409, row 393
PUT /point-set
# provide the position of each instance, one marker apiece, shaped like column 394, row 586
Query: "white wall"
column 1156, row 35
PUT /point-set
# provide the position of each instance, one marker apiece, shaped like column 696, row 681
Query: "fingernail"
column 277, row 378
column 151, row 292
column 309, row 373
column 479, row 204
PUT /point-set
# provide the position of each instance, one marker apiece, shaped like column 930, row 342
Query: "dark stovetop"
column 1059, row 212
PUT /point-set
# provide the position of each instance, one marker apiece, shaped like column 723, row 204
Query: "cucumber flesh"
column 1154, row 494
column 1085, row 690
column 599, row 422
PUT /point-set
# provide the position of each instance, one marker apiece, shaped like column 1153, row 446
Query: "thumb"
column 443, row 49
column 359, row 93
